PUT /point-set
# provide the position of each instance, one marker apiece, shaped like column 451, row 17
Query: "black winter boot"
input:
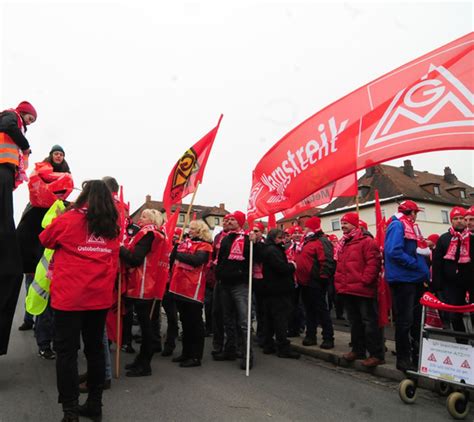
column 91, row 410
column 71, row 412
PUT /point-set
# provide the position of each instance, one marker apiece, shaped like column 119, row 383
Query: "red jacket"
column 188, row 280
column 358, row 267
column 315, row 262
column 85, row 266
column 148, row 280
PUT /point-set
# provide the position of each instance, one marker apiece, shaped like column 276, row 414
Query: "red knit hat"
column 227, row 216
column 470, row 212
column 314, row 223
column 239, row 216
column 295, row 229
column 408, row 206
column 351, row 218
column 363, row 224
column 457, row 212
column 259, row 225
column 27, row 108
column 433, row 237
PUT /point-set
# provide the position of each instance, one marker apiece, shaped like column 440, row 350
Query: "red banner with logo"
column 189, row 170
column 425, row 105
column 347, row 186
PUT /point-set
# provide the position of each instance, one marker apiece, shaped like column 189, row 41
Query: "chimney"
column 222, row 206
column 449, row 176
column 408, row 168
column 147, row 199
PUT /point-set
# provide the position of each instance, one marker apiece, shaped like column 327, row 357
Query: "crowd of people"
column 79, row 260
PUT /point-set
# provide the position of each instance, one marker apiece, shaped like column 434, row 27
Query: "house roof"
column 202, row 211
column 393, row 182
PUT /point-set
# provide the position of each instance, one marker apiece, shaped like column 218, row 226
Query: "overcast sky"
column 127, row 86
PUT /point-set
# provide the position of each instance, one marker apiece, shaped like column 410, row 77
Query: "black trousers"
column 143, row 308
column 276, row 312
column 316, row 309
column 259, row 309
column 455, row 294
column 10, row 258
column 217, row 318
column 296, row 320
column 365, row 332
column 68, row 327
column 407, row 312
column 190, row 314
column 169, row 305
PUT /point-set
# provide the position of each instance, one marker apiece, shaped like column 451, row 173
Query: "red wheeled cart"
column 446, row 356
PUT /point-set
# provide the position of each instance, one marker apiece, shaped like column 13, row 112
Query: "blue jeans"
column 108, row 361
column 44, row 328
column 28, row 318
column 407, row 313
column 317, row 311
column 235, row 303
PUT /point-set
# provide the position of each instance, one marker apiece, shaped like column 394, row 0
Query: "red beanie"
column 314, row 223
column 259, row 225
column 351, row 218
column 26, row 107
column 457, row 212
column 470, row 212
column 408, row 206
column 363, row 224
column 239, row 216
column 433, row 237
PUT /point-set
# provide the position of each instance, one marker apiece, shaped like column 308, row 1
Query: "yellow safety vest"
column 38, row 293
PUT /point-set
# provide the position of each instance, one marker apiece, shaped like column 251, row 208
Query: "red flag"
column 425, row 105
column 384, row 298
column 189, row 170
column 170, row 226
column 271, row 222
column 379, row 222
column 194, row 216
column 347, row 186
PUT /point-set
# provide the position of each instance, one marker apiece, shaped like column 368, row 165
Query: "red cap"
column 457, row 212
column 295, row 229
column 363, row 224
column 239, row 216
column 26, row 107
column 227, row 216
column 351, row 218
column 408, row 206
column 333, row 238
column 259, row 225
column 470, row 212
column 433, row 237
column 314, row 223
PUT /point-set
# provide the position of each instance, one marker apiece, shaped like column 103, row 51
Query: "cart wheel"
column 457, row 405
column 407, row 391
column 443, row 388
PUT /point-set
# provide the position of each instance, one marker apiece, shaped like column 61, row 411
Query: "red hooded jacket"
column 358, row 267
column 85, row 266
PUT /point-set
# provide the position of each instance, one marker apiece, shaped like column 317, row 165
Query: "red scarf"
column 217, row 246
column 461, row 239
column 344, row 239
column 412, row 230
column 237, row 248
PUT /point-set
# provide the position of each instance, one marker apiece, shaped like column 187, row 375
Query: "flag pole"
column 249, row 312
column 186, row 219
column 119, row 328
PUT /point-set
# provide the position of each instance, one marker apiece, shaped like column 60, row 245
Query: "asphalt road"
column 277, row 390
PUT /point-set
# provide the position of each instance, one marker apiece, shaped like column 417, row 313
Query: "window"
column 181, row 218
column 445, row 216
column 335, row 225
column 462, row 194
column 436, row 190
column 216, row 221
